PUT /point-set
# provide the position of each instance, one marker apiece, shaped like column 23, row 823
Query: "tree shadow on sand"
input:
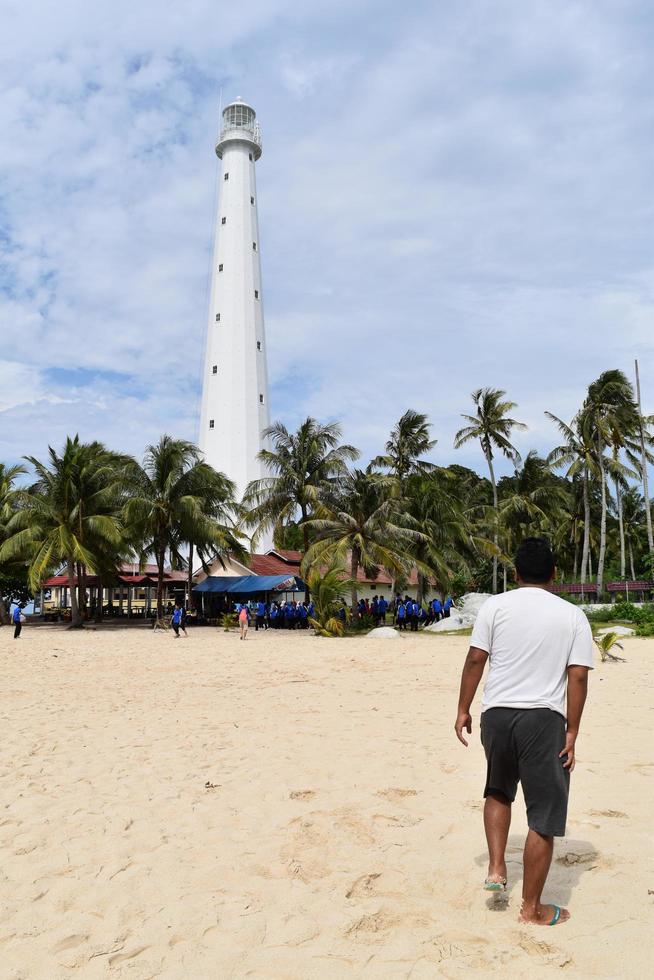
column 572, row 858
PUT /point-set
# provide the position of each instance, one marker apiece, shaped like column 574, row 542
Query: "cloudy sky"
column 453, row 193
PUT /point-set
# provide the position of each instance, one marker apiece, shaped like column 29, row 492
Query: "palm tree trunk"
column 161, row 554
column 618, row 498
column 586, row 545
column 643, row 467
column 631, row 562
column 189, row 580
column 75, row 620
column 354, row 568
column 3, row 612
column 489, row 460
column 602, row 548
column 575, row 567
column 420, row 591
column 305, row 542
column 504, row 582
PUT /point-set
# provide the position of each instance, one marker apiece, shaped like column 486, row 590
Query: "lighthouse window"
column 254, row 246
column 220, row 267
column 261, row 399
column 211, row 423
column 250, row 155
column 258, row 345
column 224, row 221
column 226, row 177
column 217, row 317
column 251, row 200
column 256, row 294
column 215, row 369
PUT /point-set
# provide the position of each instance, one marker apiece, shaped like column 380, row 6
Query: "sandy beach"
column 293, row 807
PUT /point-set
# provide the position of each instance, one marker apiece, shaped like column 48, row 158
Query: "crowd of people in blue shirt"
column 405, row 612
column 289, row 614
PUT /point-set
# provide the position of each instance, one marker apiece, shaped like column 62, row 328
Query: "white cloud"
column 450, row 196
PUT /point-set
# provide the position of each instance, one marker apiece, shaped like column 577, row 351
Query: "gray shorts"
column 523, row 745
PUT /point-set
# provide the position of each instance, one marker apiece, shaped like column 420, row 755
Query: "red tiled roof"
column 294, row 557
column 638, row 586
column 276, row 562
column 270, row 565
column 125, row 577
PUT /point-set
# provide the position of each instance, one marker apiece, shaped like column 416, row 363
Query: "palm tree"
column 532, row 501
column 408, row 441
column 165, row 510
column 492, row 426
column 613, row 414
column 605, row 644
column 8, row 504
column 219, row 538
column 449, row 542
column 362, row 522
column 71, row 515
column 633, row 516
column 328, row 588
column 643, row 431
column 302, row 465
column 578, row 454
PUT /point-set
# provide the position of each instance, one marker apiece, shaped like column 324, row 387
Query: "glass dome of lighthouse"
column 239, row 124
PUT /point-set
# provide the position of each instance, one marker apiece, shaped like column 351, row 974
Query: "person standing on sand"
column 536, row 642
column 244, row 621
column 17, row 621
column 176, row 620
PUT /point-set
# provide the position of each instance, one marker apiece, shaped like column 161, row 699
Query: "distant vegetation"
column 87, row 509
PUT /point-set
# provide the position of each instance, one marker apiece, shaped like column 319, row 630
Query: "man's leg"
column 537, row 860
column 497, row 820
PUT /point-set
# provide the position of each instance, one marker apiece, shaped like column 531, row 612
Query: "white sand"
column 290, row 807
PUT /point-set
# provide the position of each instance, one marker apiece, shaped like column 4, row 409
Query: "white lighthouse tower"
column 235, row 380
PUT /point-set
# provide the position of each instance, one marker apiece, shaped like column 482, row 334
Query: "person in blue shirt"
column 374, row 609
column 302, row 616
column 15, row 618
column 311, row 609
column 260, row 620
column 447, row 605
column 437, row 606
column 382, row 606
column 415, row 615
column 176, row 619
column 273, row 616
column 401, row 615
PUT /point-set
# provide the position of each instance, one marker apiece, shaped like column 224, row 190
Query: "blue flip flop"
column 496, row 886
column 556, row 916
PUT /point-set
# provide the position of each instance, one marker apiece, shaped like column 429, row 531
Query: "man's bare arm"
column 577, row 691
column 473, row 669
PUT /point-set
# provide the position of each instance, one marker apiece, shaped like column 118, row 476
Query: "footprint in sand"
column 70, row 942
column 577, row 857
column 363, row 887
column 608, row 813
column 396, row 794
column 302, row 794
column 405, row 820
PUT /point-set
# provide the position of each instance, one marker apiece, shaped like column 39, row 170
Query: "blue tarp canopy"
column 250, row 583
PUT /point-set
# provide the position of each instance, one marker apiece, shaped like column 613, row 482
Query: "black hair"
column 534, row 561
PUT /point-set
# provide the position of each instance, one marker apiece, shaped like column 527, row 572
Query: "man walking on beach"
column 536, row 642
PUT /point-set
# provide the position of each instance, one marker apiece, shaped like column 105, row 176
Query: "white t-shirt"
column 532, row 637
